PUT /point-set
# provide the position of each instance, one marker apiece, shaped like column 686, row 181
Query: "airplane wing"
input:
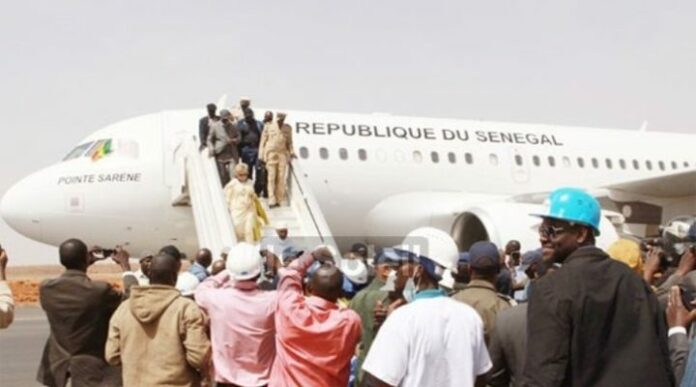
column 677, row 185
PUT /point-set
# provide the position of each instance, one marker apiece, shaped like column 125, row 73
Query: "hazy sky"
column 71, row 67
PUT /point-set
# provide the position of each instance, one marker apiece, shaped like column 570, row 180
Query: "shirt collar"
column 481, row 284
column 74, row 273
column 321, row 303
column 429, row 293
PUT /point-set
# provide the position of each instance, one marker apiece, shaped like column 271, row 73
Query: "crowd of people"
column 421, row 313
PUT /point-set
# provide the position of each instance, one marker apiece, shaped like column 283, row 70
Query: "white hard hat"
column 244, row 261
column 434, row 244
column 447, row 280
column 186, row 283
column 355, row 270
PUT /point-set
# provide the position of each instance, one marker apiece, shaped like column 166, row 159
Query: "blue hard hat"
column 575, row 206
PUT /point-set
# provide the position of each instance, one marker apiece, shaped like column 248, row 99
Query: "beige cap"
column 281, row 115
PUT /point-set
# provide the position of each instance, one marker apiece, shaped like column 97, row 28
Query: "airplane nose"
column 18, row 208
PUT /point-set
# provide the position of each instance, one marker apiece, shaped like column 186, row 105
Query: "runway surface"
column 20, row 347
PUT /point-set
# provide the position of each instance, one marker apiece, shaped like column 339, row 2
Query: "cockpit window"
column 78, row 151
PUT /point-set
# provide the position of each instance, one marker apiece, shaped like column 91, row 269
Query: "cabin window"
column 518, row 160
column 323, row 153
column 362, row 154
column 493, row 159
column 469, row 158
column 610, row 164
column 566, row 161
column 417, row 157
column 536, row 161
column 636, row 165
column 648, row 164
column 661, row 164
column 552, row 161
column 622, row 163
column 343, row 153
column 595, row 163
column 452, row 157
column 581, row 162
column 304, row 152
column 674, row 165
column 686, row 164
column 435, row 157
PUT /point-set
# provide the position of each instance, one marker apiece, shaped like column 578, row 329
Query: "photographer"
column 680, row 249
column 78, row 311
column 680, row 316
column 6, row 301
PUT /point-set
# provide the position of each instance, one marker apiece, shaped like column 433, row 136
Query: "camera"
column 676, row 238
column 103, row 254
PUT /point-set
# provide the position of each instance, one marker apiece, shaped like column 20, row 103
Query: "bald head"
column 73, row 254
column 204, row 257
column 164, row 270
column 327, row 283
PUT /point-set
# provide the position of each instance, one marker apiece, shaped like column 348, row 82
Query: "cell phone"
column 103, row 254
column 687, row 297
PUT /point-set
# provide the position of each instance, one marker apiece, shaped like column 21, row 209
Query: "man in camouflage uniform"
column 275, row 150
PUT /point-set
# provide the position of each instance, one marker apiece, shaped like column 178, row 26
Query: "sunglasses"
column 552, row 231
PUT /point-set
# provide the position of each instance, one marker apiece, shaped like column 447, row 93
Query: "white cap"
column 244, row 261
column 281, row 226
column 186, row 283
column 434, row 244
column 355, row 270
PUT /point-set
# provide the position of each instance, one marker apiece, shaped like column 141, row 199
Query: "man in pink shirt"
column 315, row 340
column 241, row 320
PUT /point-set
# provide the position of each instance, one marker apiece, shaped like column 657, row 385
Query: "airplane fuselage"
column 372, row 174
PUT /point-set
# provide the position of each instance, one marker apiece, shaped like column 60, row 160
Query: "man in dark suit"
column 508, row 347
column 78, row 311
column 204, row 124
column 593, row 322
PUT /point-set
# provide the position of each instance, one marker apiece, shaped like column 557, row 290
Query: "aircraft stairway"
column 197, row 185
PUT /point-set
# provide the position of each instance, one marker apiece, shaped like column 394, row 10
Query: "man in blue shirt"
column 199, row 268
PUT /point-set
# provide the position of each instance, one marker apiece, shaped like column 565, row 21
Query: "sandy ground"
column 25, row 280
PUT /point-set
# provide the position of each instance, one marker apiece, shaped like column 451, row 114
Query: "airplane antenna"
column 644, row 127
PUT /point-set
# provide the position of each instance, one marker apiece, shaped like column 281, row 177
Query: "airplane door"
column 172, row 141
column 519, row 163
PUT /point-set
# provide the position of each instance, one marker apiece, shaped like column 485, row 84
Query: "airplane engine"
column 468, row 218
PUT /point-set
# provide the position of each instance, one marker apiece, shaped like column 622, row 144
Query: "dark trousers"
column 249, row 157
column 261, row 180
column 224, row 168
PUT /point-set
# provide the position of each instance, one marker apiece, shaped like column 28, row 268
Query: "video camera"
column 676, row 238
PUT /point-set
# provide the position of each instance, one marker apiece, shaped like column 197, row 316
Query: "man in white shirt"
column 433, row 340
column 277, row 244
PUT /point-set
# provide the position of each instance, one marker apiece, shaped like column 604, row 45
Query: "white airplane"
column 374, row 178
